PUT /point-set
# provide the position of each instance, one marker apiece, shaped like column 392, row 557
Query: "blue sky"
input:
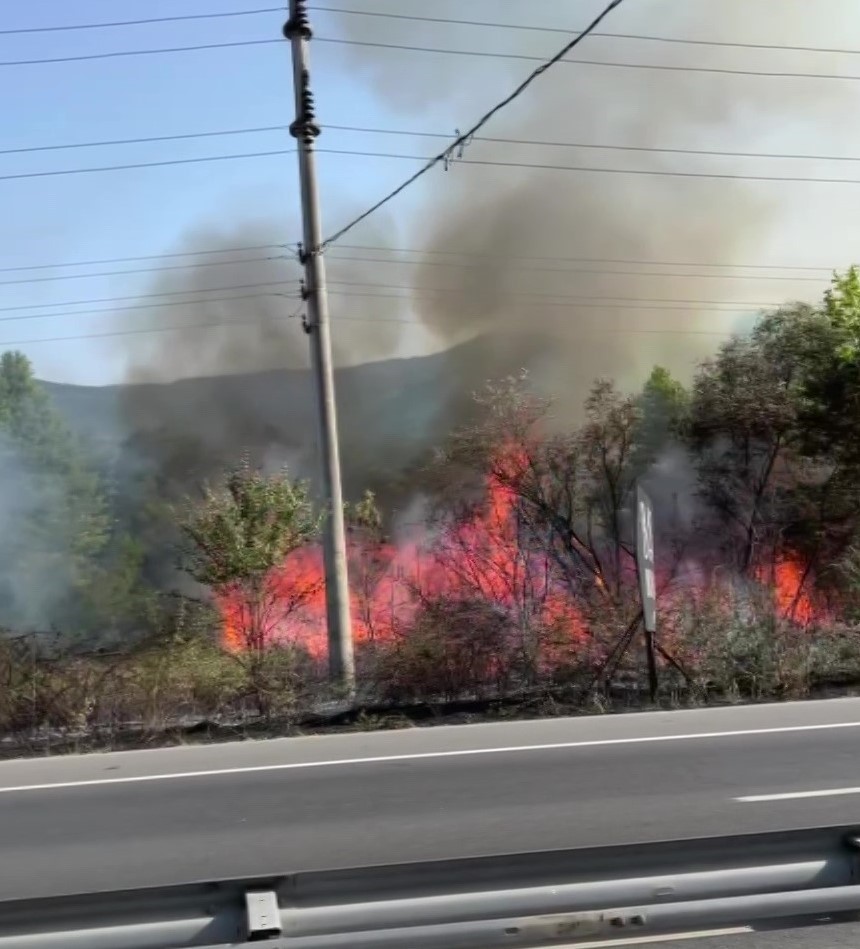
column 146, row 211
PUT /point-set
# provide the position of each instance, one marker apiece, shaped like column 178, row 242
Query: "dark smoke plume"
column 475, row 219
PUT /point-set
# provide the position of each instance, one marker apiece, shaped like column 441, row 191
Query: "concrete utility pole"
column 305, row 129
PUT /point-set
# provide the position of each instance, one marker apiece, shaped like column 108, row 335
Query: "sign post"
column 647, row 580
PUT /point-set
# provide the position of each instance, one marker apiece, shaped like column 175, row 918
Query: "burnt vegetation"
column 495, row 573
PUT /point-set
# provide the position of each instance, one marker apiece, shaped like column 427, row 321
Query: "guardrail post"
column 264, row 917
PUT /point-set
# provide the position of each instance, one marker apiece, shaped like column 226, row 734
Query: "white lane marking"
column 796, row 795
column 673, row 937
column 427, row 755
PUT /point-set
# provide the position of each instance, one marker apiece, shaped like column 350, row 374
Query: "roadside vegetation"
column 517, row 592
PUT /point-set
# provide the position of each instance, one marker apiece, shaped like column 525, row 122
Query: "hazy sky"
column 149, row 211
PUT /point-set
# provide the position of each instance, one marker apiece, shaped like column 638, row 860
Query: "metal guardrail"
column 517, row 900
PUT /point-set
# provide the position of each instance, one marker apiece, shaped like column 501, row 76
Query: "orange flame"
column 790, row 592
column 481, row 556
column 485, row 555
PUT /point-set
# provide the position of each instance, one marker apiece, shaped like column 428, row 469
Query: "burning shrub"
column 167, row 681
column 42, row 688
column 279, row 680
column 456, row 648
column 240, row 537
column 737, row 643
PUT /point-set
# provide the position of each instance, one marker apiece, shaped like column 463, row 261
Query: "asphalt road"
column 821, row 936
column 156, row 817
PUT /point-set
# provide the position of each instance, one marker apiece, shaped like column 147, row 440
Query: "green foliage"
column 737, row 646
column 117, row 604
column 831, row 380
column 280, row 680
column 610, row 449
column 761, row 460
column 771, row 425
column 364, row 515
column 663, row 385
column 25, row 411
column 54, row 513
column 239, row 536
column 455, row 648
column 663, row 405
column 241, row 531
column 842, row 307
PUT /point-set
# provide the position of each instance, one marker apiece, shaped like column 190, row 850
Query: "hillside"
column 391, row 412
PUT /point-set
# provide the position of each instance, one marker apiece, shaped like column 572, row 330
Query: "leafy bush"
column 454, row 648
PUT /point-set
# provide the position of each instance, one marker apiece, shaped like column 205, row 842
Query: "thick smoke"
column 493, row 214
column 475, row 220
column 36, row 553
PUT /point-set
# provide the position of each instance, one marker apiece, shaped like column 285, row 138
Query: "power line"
column 562, row 305
column 559, row 29
column 428, row 165
column 445, row 20
column 443, row 263
column 425, row 252
column 124, row 260
column 132, row 332
column 142, row 141
column 778, row 47
column 537, row 297
column 569, row 270
column 113, row 54
column 464, row 138
column 140, row 306
column 621, row 148
column 583, row 169
column 144, row 270
column 484, row 54
column 341, row 319
column 681, row 331
column 541, row 294
column 157, row 19
column 150, row 296
column 524, row 57
column 592, row 260
column 144, row 164
column 423, row 134
column 555, row 30
column 381, row 260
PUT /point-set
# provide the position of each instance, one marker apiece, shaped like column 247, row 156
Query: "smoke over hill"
column 527, row 263
column 392, row 412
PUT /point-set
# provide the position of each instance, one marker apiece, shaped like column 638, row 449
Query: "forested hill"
column 194, row 427
column 391, row 411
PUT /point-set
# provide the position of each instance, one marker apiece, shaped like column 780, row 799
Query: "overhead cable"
column 339, row 319
column 524, row 57
column 461, row 140
column 63, row 28
column 144, row 270
column 647, row 37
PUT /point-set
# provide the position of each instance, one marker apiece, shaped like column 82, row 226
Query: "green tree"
column 613, row 460
column 54, row 519
column 842, row 308
column 743, row 429
column 573, row 488
column 663, row 404
column 239, row 537
column 831, row 384
column 369, row 557
column 774, row 428
column 118, row 605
